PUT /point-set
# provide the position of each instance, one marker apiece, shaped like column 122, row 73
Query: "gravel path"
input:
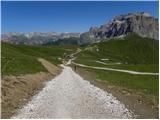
column 69, row 96
column 117, row 70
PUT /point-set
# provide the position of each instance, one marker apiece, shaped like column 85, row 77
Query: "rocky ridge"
column 140, row 23
column 36, row 38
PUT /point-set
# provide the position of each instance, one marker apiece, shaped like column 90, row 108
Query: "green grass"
column 15, row 63
column 142, row 83
column 140, row 67
column 22, row 59
column 133, row 52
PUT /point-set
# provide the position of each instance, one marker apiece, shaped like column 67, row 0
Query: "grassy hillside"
column 133, row 49
column 133, row 52
column 22, row 59
column 142, row 83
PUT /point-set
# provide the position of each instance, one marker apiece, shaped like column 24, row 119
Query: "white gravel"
column 101, row 62
column 117, row 70
column 105, row 59
column 69, row 96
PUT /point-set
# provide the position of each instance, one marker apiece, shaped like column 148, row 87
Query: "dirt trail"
column 117, row 70
column 70, row 96
column 49, row 66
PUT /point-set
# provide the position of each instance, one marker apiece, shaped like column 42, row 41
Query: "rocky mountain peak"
column 131, row 15
column 140, row 23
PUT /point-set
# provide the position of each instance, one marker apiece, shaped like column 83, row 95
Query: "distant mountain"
column 140, row 23
column 36, row 38
column 65, row 41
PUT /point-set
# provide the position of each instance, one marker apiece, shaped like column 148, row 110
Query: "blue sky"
column 29, row 16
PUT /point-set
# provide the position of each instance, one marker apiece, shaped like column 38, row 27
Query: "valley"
column 128, row 54
column 110, row 71
column 24, row 72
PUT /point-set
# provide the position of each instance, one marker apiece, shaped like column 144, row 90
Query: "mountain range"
column 140, row 23
column 36, row 38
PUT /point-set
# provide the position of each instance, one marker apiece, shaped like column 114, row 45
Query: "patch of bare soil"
column 18, row 90
column 49, row 66
column 137, row 102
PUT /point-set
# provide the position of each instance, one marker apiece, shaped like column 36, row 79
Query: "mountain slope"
column 22, row 59
column 140, row 23
column 132, row 50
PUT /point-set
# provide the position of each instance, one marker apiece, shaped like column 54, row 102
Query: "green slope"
column 133, row 49
column 22, row 59
column 133, row 52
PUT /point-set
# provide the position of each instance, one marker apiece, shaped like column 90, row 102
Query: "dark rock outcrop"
column 140, row 23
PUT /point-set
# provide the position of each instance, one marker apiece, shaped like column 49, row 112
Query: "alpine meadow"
column 89, row 60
